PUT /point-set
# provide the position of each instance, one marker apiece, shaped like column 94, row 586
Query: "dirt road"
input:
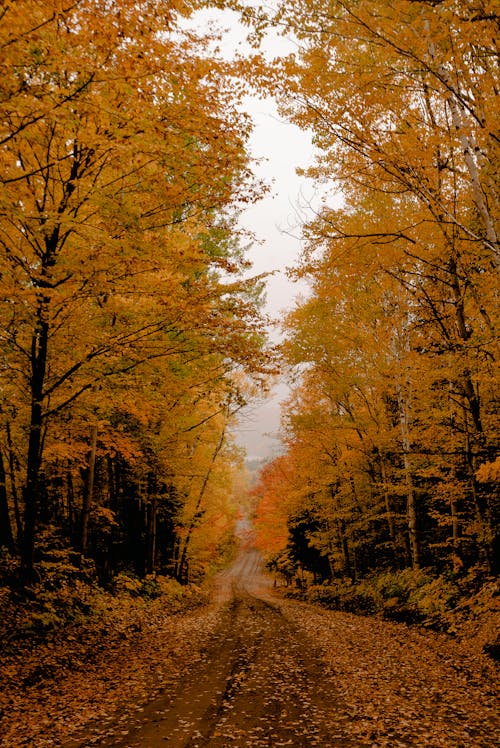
column 256, row 685
column 262, row 682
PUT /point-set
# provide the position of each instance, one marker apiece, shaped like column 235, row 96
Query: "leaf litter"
column 278, row 672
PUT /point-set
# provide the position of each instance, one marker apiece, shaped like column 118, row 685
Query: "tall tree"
column 122, row 158
column 402, row 101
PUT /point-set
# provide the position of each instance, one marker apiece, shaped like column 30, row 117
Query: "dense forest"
column 130, row 337
column 389, row 481
column 131, row 334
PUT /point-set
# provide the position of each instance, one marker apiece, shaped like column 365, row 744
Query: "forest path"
column 252, row 668
column 259, row 683
column 263, row 682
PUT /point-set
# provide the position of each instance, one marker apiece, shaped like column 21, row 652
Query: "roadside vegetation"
column 387, row 492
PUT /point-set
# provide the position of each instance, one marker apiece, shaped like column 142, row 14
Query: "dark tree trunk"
column 6, row 536
column 152, row 508
column 32, row 498
column 70, row 501
column 89, row 490
column 13, row 484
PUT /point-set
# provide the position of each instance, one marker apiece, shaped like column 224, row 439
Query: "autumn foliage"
column 128, row 335
column 131, row 337
column 392, row 427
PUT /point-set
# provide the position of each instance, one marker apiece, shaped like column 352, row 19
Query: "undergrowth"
column 454, row 605
column 66, row 597
column 410, row 596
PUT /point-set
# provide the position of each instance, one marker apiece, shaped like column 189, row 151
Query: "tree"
column 401, row 99
column 122, row 160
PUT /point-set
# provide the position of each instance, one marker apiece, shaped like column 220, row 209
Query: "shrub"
column 409, row 596
column 360, row 598
column 435, row 597
column 126, row 584
column 399, row 585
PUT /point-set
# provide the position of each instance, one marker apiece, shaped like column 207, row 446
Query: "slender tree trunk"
column 403, row 393
column 488, row 529
column 343, row 540
column 152, row 508
column 389, row 514
column 89, row 490
column 411, row 508
column 39, row 350
column 330, row 554
column 465, row 382
column 6, row 536
column 455, row 522
column 461, row 126
column 182, row 566
column 70, row 503
column 112, row 488
column 344, row 546
column 479, row 196
column 455, row 526
column 13, row 485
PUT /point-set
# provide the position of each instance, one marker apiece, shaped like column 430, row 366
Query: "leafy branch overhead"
column 123, row 170
column 392, row 429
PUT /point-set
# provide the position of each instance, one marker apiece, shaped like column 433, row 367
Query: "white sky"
column 274, row 221
column 275, row 224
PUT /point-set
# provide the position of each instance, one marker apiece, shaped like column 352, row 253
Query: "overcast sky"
column 274, row 220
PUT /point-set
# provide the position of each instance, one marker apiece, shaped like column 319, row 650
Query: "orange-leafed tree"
column 122, row 158
column 273, row 499
column 403, row 104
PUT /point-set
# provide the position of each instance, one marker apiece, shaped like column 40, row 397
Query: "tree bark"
column 39, row 350
column 389, row 514
column 411, row 507
column 13, row 484
column 152, row 508
column 89, row 490
column 6, row 536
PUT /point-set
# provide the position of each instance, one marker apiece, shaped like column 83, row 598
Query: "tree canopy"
column 127, row 328
column 392, row 431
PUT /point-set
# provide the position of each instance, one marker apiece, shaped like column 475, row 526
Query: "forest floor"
column 255, row 669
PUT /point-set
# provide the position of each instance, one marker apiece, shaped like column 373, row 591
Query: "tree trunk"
column 411, row 513
column 6, row 536
column 112, row 487
column 344, row 547
column 151, row 526
column 411, row 508
column 342, row 538
column 89, row 490
column 13, row 485
column 461, row 126
column 182, row 566
column 70, row 505
column 389, row 514
column 401, row 345
column 32, row 497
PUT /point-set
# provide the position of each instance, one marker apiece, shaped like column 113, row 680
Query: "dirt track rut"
column 281, row 673
column 257, row 683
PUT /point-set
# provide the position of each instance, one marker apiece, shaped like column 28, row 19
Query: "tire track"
column 259, row 684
